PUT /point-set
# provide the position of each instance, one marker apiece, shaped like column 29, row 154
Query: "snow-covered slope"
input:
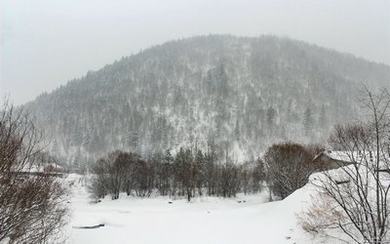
column 245, row 219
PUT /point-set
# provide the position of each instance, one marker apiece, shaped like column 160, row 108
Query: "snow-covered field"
column 205, row 220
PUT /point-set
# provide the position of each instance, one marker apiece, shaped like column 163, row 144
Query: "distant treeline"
column 187, row 173
column 285, row 168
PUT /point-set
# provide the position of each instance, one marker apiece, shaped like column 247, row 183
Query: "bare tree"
column 110, row 175
column 288, row 167
column 31, row 205
column 186, row 174
column 359, row 193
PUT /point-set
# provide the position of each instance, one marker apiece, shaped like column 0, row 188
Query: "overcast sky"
column 45, row 43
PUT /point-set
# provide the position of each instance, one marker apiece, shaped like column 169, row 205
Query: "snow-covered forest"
column 238, row 94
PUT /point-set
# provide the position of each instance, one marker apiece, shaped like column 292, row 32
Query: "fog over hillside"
column 237, row 94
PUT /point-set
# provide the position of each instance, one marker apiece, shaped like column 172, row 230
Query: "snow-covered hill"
column 239, row 94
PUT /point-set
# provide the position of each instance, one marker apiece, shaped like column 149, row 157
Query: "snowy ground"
column 205, row 220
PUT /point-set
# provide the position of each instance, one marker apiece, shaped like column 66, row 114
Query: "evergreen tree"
column 271, row 119
column 308, row 122
column 237, row 131
column 323, row 119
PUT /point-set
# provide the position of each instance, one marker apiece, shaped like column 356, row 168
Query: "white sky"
column 45, row 43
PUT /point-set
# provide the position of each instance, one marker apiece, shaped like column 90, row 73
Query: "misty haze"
column 195, row 121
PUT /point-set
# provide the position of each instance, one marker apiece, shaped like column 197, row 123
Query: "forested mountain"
column 233, row 93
